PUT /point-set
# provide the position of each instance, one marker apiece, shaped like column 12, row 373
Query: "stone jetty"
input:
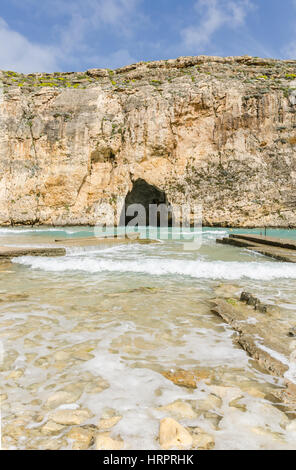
column 277, row 248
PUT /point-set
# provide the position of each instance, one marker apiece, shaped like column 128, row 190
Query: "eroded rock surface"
column 220, row 131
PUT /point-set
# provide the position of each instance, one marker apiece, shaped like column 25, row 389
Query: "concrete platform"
column 279, row 249
column 271, row 241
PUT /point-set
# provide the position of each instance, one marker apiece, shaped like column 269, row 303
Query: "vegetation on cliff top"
column 259, row 73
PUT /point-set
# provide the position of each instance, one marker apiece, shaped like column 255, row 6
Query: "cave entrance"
column 146, row 205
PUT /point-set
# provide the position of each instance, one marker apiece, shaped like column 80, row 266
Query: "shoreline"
column 205, row 225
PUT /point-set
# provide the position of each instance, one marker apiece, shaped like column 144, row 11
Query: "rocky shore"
column 48, row 398
column 267, row 336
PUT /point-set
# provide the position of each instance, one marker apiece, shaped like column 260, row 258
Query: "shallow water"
column 110, row 320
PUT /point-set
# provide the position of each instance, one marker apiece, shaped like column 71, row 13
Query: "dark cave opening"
column 148, row 205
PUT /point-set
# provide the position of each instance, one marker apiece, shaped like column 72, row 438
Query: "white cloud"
column 114, row 12
column 289, row 50
column 214, row 14
column 90, row 16
column 114, row 60
column 19, row 54
column 71, row 46
column 86, row 16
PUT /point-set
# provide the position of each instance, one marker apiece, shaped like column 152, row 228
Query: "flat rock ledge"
column 7, row 252
column 265, row 339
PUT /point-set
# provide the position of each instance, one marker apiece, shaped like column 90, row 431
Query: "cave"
column 146, row 195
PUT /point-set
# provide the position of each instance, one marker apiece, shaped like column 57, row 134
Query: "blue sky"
column 73, row 35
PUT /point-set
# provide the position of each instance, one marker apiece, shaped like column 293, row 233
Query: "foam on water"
column 31, row 230
column 134, row 335
column 200, row 269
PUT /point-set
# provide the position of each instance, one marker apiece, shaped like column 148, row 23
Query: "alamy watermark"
column 161, row 221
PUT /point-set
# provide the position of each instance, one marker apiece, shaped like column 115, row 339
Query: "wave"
column 200, row 269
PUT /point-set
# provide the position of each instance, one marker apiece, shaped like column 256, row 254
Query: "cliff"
column 216, row 131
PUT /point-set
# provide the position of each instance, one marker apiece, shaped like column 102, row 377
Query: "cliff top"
column 246, row 69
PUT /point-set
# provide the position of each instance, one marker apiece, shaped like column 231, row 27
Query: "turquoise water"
column 77, row 232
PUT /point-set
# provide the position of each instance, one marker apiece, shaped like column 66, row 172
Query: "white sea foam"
column 32, row 230
column 199, row 269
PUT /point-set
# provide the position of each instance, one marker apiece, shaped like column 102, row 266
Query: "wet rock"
column 70, row 417
column 3, row 397
column 287, row 396
column 52, row 428
column 39, row 418
column 212, row 418
column 209, row 403
column 29, row 343
column 179, row 409
column 202, row 440
column 14, row 429
column 9, row 359
column 228, row 393
column 292, row 332
column 61, row 398
column 260, row 307
column 30, row 357
column 252, row 301
column 187, row 378
column 13, row 297
column 96, row 385
column 42, row 362
column 61, row 355
column 108, row 423
column 173, row 436
column 52, row 444
column 245, row 296
column 249, row 299
column 105, row 442
column 236, row 404
column 83, row 438
column 254, row 392
column 83, row 356
column 15, row 374
column 7, row 443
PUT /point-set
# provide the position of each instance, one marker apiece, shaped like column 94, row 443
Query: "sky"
column 74, row 35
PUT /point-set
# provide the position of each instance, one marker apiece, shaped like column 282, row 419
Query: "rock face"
column 220, row 132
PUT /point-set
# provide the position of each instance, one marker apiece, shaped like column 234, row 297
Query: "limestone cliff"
column 217, row 131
